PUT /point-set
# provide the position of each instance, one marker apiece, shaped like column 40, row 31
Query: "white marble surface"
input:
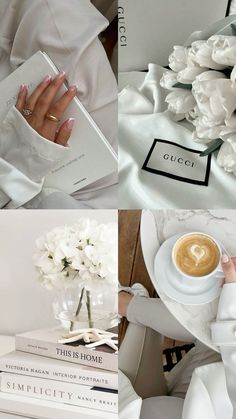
column 159, row 225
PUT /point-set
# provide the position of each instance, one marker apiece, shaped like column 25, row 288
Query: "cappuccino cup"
column 197, row 255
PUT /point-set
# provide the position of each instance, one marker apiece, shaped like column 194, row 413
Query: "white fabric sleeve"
column 224, row 335
column 25, row 159
column 207, row 396
column 212, row 391
column 148, row 312
column 107, row 7
column 76, row 49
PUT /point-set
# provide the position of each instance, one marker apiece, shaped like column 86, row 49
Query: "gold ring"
column 52, row 118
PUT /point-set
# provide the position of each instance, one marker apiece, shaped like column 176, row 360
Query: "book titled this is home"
column 44, row 342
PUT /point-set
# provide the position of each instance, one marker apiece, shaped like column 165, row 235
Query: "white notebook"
column 90, row 157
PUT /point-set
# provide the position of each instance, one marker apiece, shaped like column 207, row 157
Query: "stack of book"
column 46, row 380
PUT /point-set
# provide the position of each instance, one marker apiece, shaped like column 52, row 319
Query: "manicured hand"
column 229, row 268
column 41, row 105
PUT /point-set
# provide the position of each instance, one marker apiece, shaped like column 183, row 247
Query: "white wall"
column 24, row 304
column 153, row 27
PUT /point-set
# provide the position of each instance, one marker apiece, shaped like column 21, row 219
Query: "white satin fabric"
column 142, row 118
column 68, row 32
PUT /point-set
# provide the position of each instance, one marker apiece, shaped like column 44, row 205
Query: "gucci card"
column 175, row 161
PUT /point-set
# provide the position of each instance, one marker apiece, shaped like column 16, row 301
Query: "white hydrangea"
column 78, row 253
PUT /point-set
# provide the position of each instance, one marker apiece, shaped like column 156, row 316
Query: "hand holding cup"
column 229, row 268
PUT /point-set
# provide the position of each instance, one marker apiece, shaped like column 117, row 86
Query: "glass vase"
column 90, row 305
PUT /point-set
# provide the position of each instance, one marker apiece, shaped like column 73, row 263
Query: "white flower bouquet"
column 83, row 254
column 202, row 81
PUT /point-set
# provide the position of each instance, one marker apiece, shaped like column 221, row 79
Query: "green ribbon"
column 183, row 86
column 212, row 146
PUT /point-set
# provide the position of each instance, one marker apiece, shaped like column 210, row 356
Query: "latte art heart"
column 198, row 252
column 196, row 255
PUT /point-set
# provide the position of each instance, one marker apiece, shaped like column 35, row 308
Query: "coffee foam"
column 196, row 255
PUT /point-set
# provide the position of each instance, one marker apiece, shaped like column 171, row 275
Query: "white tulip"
column 227, row 155
column 210, row 75
column 229, row 128
column 178, row 58
column 223, row 49
column 201, row 53
column 205, row 133
column 180, row 101
column 206, row 129
column 189, row 74
column 216, row 99
column 192, row 115
column 168, row 80
column 176, row 117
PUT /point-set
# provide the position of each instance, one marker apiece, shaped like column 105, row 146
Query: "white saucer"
column 181, row 289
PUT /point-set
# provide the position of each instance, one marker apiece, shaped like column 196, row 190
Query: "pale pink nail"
column 47, row 79
column 225, row 258
column 70, row 123
column 61, row 75
column 73, row 89
column 22, row 88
